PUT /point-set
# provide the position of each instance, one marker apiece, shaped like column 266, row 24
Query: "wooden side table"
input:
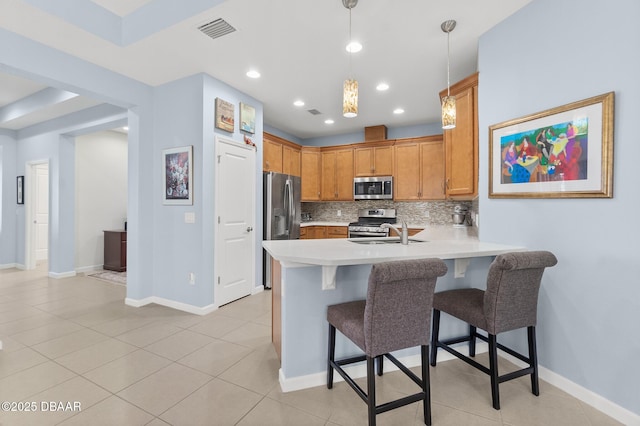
column 115, row 250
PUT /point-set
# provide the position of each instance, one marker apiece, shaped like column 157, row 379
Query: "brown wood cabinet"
column 310, row 172
column 419, row 169
column 115, row 250
column 271, row 155
column 337, row 174
column 461, row 142
column 320, row 231
column 280, row 155
column 374, row 158
column 414, row 231
column 337, row 232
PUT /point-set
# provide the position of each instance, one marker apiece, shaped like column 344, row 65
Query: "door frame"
column 217, row 241
column 29, row 201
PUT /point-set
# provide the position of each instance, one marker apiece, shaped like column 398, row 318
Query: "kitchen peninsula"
column 310, row 275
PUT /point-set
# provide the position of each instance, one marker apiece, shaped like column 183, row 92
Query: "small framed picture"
column 225, row 115
column 178, row 176
column 20, row 189
column 247, row 118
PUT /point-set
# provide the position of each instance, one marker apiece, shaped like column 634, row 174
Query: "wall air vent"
column 217, row 28
column 314, row 111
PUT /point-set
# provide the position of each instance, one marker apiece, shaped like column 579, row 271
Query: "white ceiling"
column 298, row 47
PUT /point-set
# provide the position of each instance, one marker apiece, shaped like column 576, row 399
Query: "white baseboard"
column 9, row 266
column 598, row 402
column 256, row 290
column 85, row 269
column 591, row 398
column 357, row 371
column 60, row 275
column 197, row 310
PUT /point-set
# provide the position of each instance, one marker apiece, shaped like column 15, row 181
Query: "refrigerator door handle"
column 292, row 208
column 287, row 205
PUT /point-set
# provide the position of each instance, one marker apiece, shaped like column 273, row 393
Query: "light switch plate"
column 190, row 217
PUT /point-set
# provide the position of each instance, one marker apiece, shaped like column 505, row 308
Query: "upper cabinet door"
column 374, row 159
column 271, row 156
column 461, row 143
column 310, row 168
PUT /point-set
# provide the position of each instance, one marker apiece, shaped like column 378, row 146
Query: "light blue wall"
column 8, row 206
column 551, row 53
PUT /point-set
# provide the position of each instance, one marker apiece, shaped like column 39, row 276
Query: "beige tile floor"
column 74, row 340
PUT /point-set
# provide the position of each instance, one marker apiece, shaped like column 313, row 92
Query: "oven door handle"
column 366, row 234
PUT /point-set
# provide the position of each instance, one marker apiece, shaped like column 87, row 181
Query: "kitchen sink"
column 383, row 241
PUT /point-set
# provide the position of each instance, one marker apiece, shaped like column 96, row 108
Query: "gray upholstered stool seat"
column 396, row 315
column 510, row 302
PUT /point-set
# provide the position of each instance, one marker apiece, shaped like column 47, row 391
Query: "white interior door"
column 41, row 211
column 235, row 207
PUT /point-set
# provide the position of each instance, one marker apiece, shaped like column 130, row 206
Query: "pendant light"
column 448, row 102
column 350, row 89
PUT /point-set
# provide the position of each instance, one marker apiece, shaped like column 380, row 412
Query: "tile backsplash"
column 413, row 212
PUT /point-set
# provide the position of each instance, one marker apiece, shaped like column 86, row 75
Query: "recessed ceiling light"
column 328, row 121
column 382, row 87
column 354, row 47
column 253, row 74
column 298, row 103
column 398, row 111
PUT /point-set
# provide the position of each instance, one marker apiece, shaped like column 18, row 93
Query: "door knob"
column 249, row 229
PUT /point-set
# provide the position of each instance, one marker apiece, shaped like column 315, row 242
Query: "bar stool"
column 396, row 315
column 510, row 302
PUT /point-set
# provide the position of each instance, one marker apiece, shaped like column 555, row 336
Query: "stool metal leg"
column 493, row 370
column 331, row 356
column 426, row 385
column 371, row 391
column 533, row 360
column 472, row 340
column 380, row 363
column 434, row 336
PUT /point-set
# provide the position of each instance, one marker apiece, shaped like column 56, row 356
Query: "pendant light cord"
column 448, row 60
column 350, row 48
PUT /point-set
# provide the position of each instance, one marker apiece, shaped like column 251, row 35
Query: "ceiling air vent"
column 314, row 111
column 217, row 28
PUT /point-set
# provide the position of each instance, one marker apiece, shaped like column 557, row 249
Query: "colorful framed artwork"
column 225, row 115
column 178, row 176
column 564, row 152
column 247, row 118
column 20, row 189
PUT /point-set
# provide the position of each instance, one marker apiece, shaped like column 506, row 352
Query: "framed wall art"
column 564, row 152
column 225, row 119
column 178, row 176
column 247, row 118
column 20, row 189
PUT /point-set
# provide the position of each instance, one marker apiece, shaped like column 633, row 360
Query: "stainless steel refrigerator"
column 281, row 213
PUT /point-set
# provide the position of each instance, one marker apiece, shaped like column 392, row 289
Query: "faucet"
column 404, row 234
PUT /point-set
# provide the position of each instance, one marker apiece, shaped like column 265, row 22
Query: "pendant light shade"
column 448, row 102
column 350, row 88
column 350, row 99
column 448, row 112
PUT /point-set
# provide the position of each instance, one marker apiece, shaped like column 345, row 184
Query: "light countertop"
column 323, row 223
column 441, row 242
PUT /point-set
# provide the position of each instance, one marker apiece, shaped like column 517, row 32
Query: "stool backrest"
column 399, row 303
column 513, row 283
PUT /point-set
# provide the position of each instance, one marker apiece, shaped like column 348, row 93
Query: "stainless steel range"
column 370, row 221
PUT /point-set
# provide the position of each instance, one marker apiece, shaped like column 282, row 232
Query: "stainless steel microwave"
column 373, row 188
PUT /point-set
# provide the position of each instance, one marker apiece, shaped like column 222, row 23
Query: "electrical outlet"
column 426, row 214
column 339, row 213
column 192, row 278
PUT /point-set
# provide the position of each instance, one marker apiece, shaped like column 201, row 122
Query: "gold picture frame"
column 563, row 152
